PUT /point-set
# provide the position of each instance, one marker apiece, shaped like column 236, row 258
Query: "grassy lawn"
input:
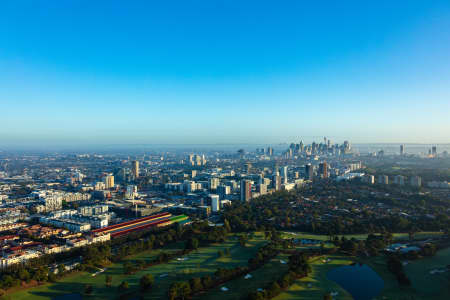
column 316, row 285
column 240, row 287
column 423, row 284
column 199, row 263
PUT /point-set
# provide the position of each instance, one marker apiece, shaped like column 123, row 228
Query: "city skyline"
column 223, row 72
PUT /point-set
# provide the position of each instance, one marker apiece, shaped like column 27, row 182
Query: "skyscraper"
column 309, row 171
column 215, row 204
column 323, row 169
column 402, row 149
column 284, row 172
column 276, row 182
column 109, row 181
column 135, row 168
column 246, row 190
column 213, row 183
column 434, row 151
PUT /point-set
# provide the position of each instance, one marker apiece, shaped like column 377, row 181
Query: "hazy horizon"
column 223, row 72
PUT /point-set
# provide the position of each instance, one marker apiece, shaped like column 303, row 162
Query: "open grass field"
column 198, row 263
column 316, row 285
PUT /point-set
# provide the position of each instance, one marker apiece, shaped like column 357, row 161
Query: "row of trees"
column 395, row 266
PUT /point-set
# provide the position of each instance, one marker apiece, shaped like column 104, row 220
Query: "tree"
column 146, row 282
column 242, row 240
column 192, row 243
column 196, row 284
column 108, row 280
column 88, row 289
column 61, row 269
column 274, row 289
column 327, row 297
column 123, row 286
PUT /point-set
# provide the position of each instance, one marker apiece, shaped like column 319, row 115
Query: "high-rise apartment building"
column 213, row 183
column 309, row 172
column 246, row 190
column 215, row 203
column 109, row 181
column 323, row 169
column 434, row 151
column 284, row 172
column 135, row 168
column 276, row 182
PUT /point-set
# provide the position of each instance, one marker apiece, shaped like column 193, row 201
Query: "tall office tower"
column 131, row 191
column 246, row 190
column 109, row 181
column 248, row 168
column 313, row 148
column 323, row 169
column 135, row 168
column 383, row 179
column 346, row 146
column 269, row 151
column 193, row 173
column 276, row 182
column 215, row 203
column 309, row 172
column 301, row 146
column 328, row 143
column 433, row 150
column 203, row 160
column 402, row 149
column 416, row 181
column 190, row 159
column 284, row 172
column 213, row 183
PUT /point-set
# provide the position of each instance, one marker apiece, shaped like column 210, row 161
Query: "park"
column 206, row 260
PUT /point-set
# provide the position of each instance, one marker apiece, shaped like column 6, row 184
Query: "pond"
column 359, row 280
column 73, row 296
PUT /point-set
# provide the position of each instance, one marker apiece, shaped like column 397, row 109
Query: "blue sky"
column 103, row 72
